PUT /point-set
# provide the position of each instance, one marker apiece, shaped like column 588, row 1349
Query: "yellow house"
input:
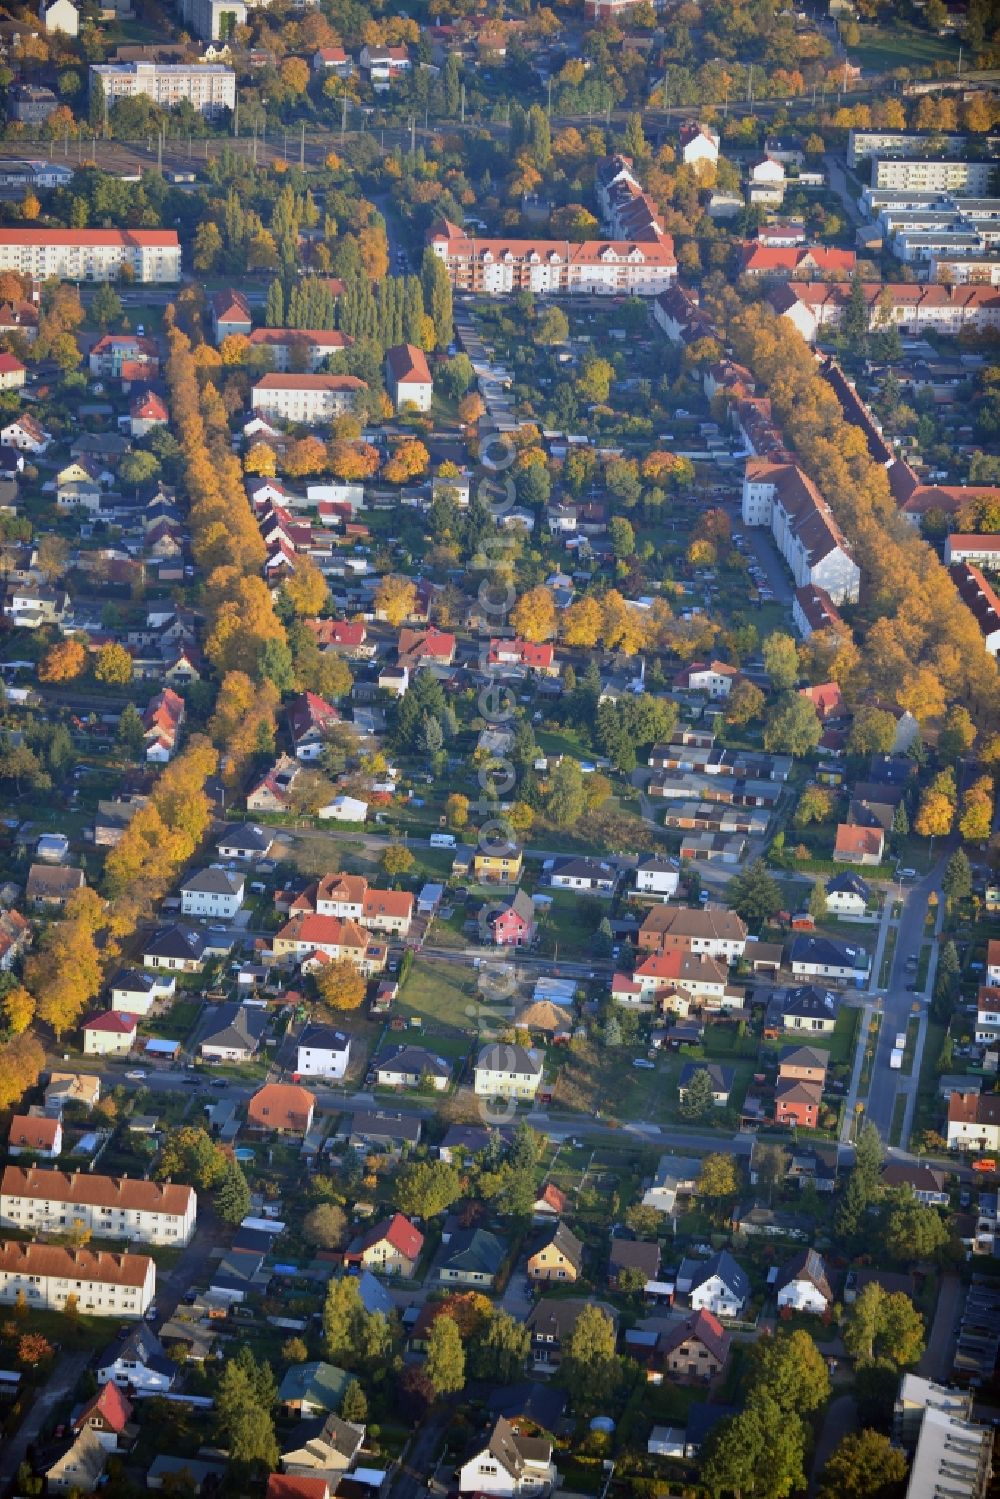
column 498, row 864
column 558, row 1255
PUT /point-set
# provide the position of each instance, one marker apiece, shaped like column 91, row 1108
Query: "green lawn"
column 845, row 1035
column 884, row 48
column 444, row 996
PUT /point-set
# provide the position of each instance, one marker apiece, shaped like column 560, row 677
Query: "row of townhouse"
column 811, row 306
column 101, row 1284
column 150, row 255
column 783, row 498
column 38, row 1201
column 161, row 724
column 609, row 267
column 349, row 897
column 628, row 212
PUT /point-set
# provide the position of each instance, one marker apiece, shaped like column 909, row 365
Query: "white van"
column 442, row 840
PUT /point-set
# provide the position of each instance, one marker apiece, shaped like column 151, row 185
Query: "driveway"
column 61, row 1384
column 939, row 1353
column 840, row 1420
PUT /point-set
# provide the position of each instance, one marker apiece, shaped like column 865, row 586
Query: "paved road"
column 66, row 1370
column 840, row 1419
column 939, row 1353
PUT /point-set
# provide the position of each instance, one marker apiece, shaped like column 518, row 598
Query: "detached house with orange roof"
column 230, row 314
column 429, row 647
column 109, row 1034
column 281, row 1108
column 161, row 725
column 316, row 940
column 390, row 1247
column 858, row 845
column 147, row 411
column 408, row 378
column 34, row 1134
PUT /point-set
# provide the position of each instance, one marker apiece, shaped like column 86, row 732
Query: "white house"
column 847, row 895
column 136, row 992
column 698, row 143
column 675, row 1177
column 136, row 1360
column 103, row 1284
column 111, row 1207
column 111, row 1034
column 60, row 16
column 344, row 809
column 510, row 1465
column 974, row 1121
column 716, row 678
column 780, row 496
column 717, row 1285
column 322, row 1051
column 36, row 1135
column 802, row 1283
column 505, row 1070
column 408, row 1066
column 306, row 399
column 408, row 377
column 654, row 877
column 24, row 433
column 213, row 892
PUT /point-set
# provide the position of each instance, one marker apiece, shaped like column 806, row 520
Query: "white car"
column 136, row 1075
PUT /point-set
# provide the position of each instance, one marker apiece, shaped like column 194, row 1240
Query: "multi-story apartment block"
column 314, row 345
column 782, row 497
column 934, row 174
column 210, row 88
column 306, row 399
column 111, row 1207
column 102, row 1284
column 813, row 305
column 604, row 267
column 906, row 144
column 152, row 255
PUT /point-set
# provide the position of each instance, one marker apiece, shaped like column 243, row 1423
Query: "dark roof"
column 411, row 1059
column 582, row 868
column 847, row 883
column 383, row 1124
column 802, row 1056
column 828, row 951
column 557, row 1316
column 474, row 1250
column 809, row 1003
column 722, row 1077
column 248, row 836
column 134, row 981
column 323, row 1038
column 235, row 1026
column 562, row 1238
column 806, row 1265
column 705, row 1328
column 543, row 1405
column 725, row 1267
column 635, row 1254
column 177, row 942
column 138, row 1344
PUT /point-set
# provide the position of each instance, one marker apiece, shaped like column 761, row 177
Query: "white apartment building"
column 317, row 345
column 904, row 144
column 152, row 255
column 949, row 268
column 605, row 267
column 982, row 551
column 103, row 1284
column 111, row 1207
column 213, row 20
column 306, row 399
column 933, row 174
column 213, row 892
column 782, row 497
column 209, row 87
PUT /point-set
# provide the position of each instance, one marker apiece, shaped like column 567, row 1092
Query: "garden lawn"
column 441, row 993
column 883, row 48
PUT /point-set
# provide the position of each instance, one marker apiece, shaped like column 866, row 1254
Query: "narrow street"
column 67, row 1369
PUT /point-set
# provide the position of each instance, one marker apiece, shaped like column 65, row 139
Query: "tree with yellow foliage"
column 936, row 812
column 234, row 348
column 534, row 614
column 21, row 1063
column 340, row 985
column 261, row 460
column 408, row 461
column 18, row 1008
column 305, row 588
column 63, row 662
column 976, row 821
column 395, row 599
column 582, row 623
column 306, row 456
column 353, row 461
column 623, row 628
column 471, row 408
column 113, row 665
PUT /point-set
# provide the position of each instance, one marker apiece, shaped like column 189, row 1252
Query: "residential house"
column 812, row 956
column 802, row 1283
column 675, row 1177
column 135, row 992
column 49, row 886
column 403, row 1066
column 296, row 1486
column 322, row 1051
column 631, row 1256
column 310, row 719
column 281, row 1108
column 425, row 647
column 248, row 843
column 928, row 1184
column 408, row 378
column 390, row 1247
column 718, row 1285
column 35, row 1135
column 721, row 1078
column 513, row 924
column 112, row 1033
column 326, row 1445
column 988, row 1015
column 71, row 1087
column 306, row 399
column 146, row 412
column 847, row 895
column 233, row 1033
column 312, row 1389
column 384, row 1130
column 655, row 877
column 714, row 931
column 806, row 1008
column 38, row 1201
column 15, row 934
column 78, row 1467
column 797, row 1103
column 974, row 1121
column 507, row 1070
column 213, row 892
column 31, row 606
column 511, row 1465
column 230, row 314
column 161, row 724
column 855, row 844
column 579, row 873
column 312, row 940
column 803, row 1064
column 498, row 267
column 556, row 1255
column 108, row 1415
column 12, row 372
column 102, row 1284
column 716, row 678
column 524, row 655
column 473, row 1257
column 550, row 1203
column 498, row 863
column 552, row 1322
column 695, row 1349
column 24, row 432
column 136, row 1360
column 181, row 948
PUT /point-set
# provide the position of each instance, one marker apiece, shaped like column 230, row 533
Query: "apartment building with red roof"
column 408, row 378
column 497, row 267
column 111, row 1207
column 102, row 1284
column 151, row 255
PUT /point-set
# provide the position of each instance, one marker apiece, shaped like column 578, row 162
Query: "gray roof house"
column 233, row 1033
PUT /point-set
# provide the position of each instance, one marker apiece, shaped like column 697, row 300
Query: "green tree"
column 884, row 1327
column 957, row 880
column 793, row 1372
column 873, row 731
column 754, row 895
column 900, row 821
column 274, row 306
column 425, row 1188
column 698, row 1101
column 634, row 140
column 912, row 1232
column 566, row 800
column 719, row 1178
column 500, row 1349
column 792, row 726
column 817, row 901
column 552, row 327
column 590, row 1367
column 189, row 1154
column 343, row 1320
column 445, row 1366
column 130, row 733
column 106, row 307
column 354, row 1405
column 856, row 316
column 958, row 734
column 761, row 1452
column 397, row 859
column 865, row 1465
column 781, row 660
column 437, row 297
column 245, row 1427
column 232, row 1196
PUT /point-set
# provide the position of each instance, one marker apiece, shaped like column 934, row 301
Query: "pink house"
column 514, row 924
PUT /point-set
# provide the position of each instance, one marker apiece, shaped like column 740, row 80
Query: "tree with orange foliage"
column 470, row 409
column 63, row 662
column 408, row 461
column 353, row 461
column 305, row 588
column 306, row 456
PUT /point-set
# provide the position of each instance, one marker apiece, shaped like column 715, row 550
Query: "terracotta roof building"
column 103, row 1284
column 282, row 1108
column 111, row 1207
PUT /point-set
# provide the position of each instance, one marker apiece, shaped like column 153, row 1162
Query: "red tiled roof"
column 408, row 365
column 135, row 238
column 310, row 382
column 110, row 1404
column 93, row 1190
column 115, row 1022
column 852, row 839
column 74, row 1264
column 39, row 1134
column 281, row 1106
column 397, row 1231
column 296, row 1486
